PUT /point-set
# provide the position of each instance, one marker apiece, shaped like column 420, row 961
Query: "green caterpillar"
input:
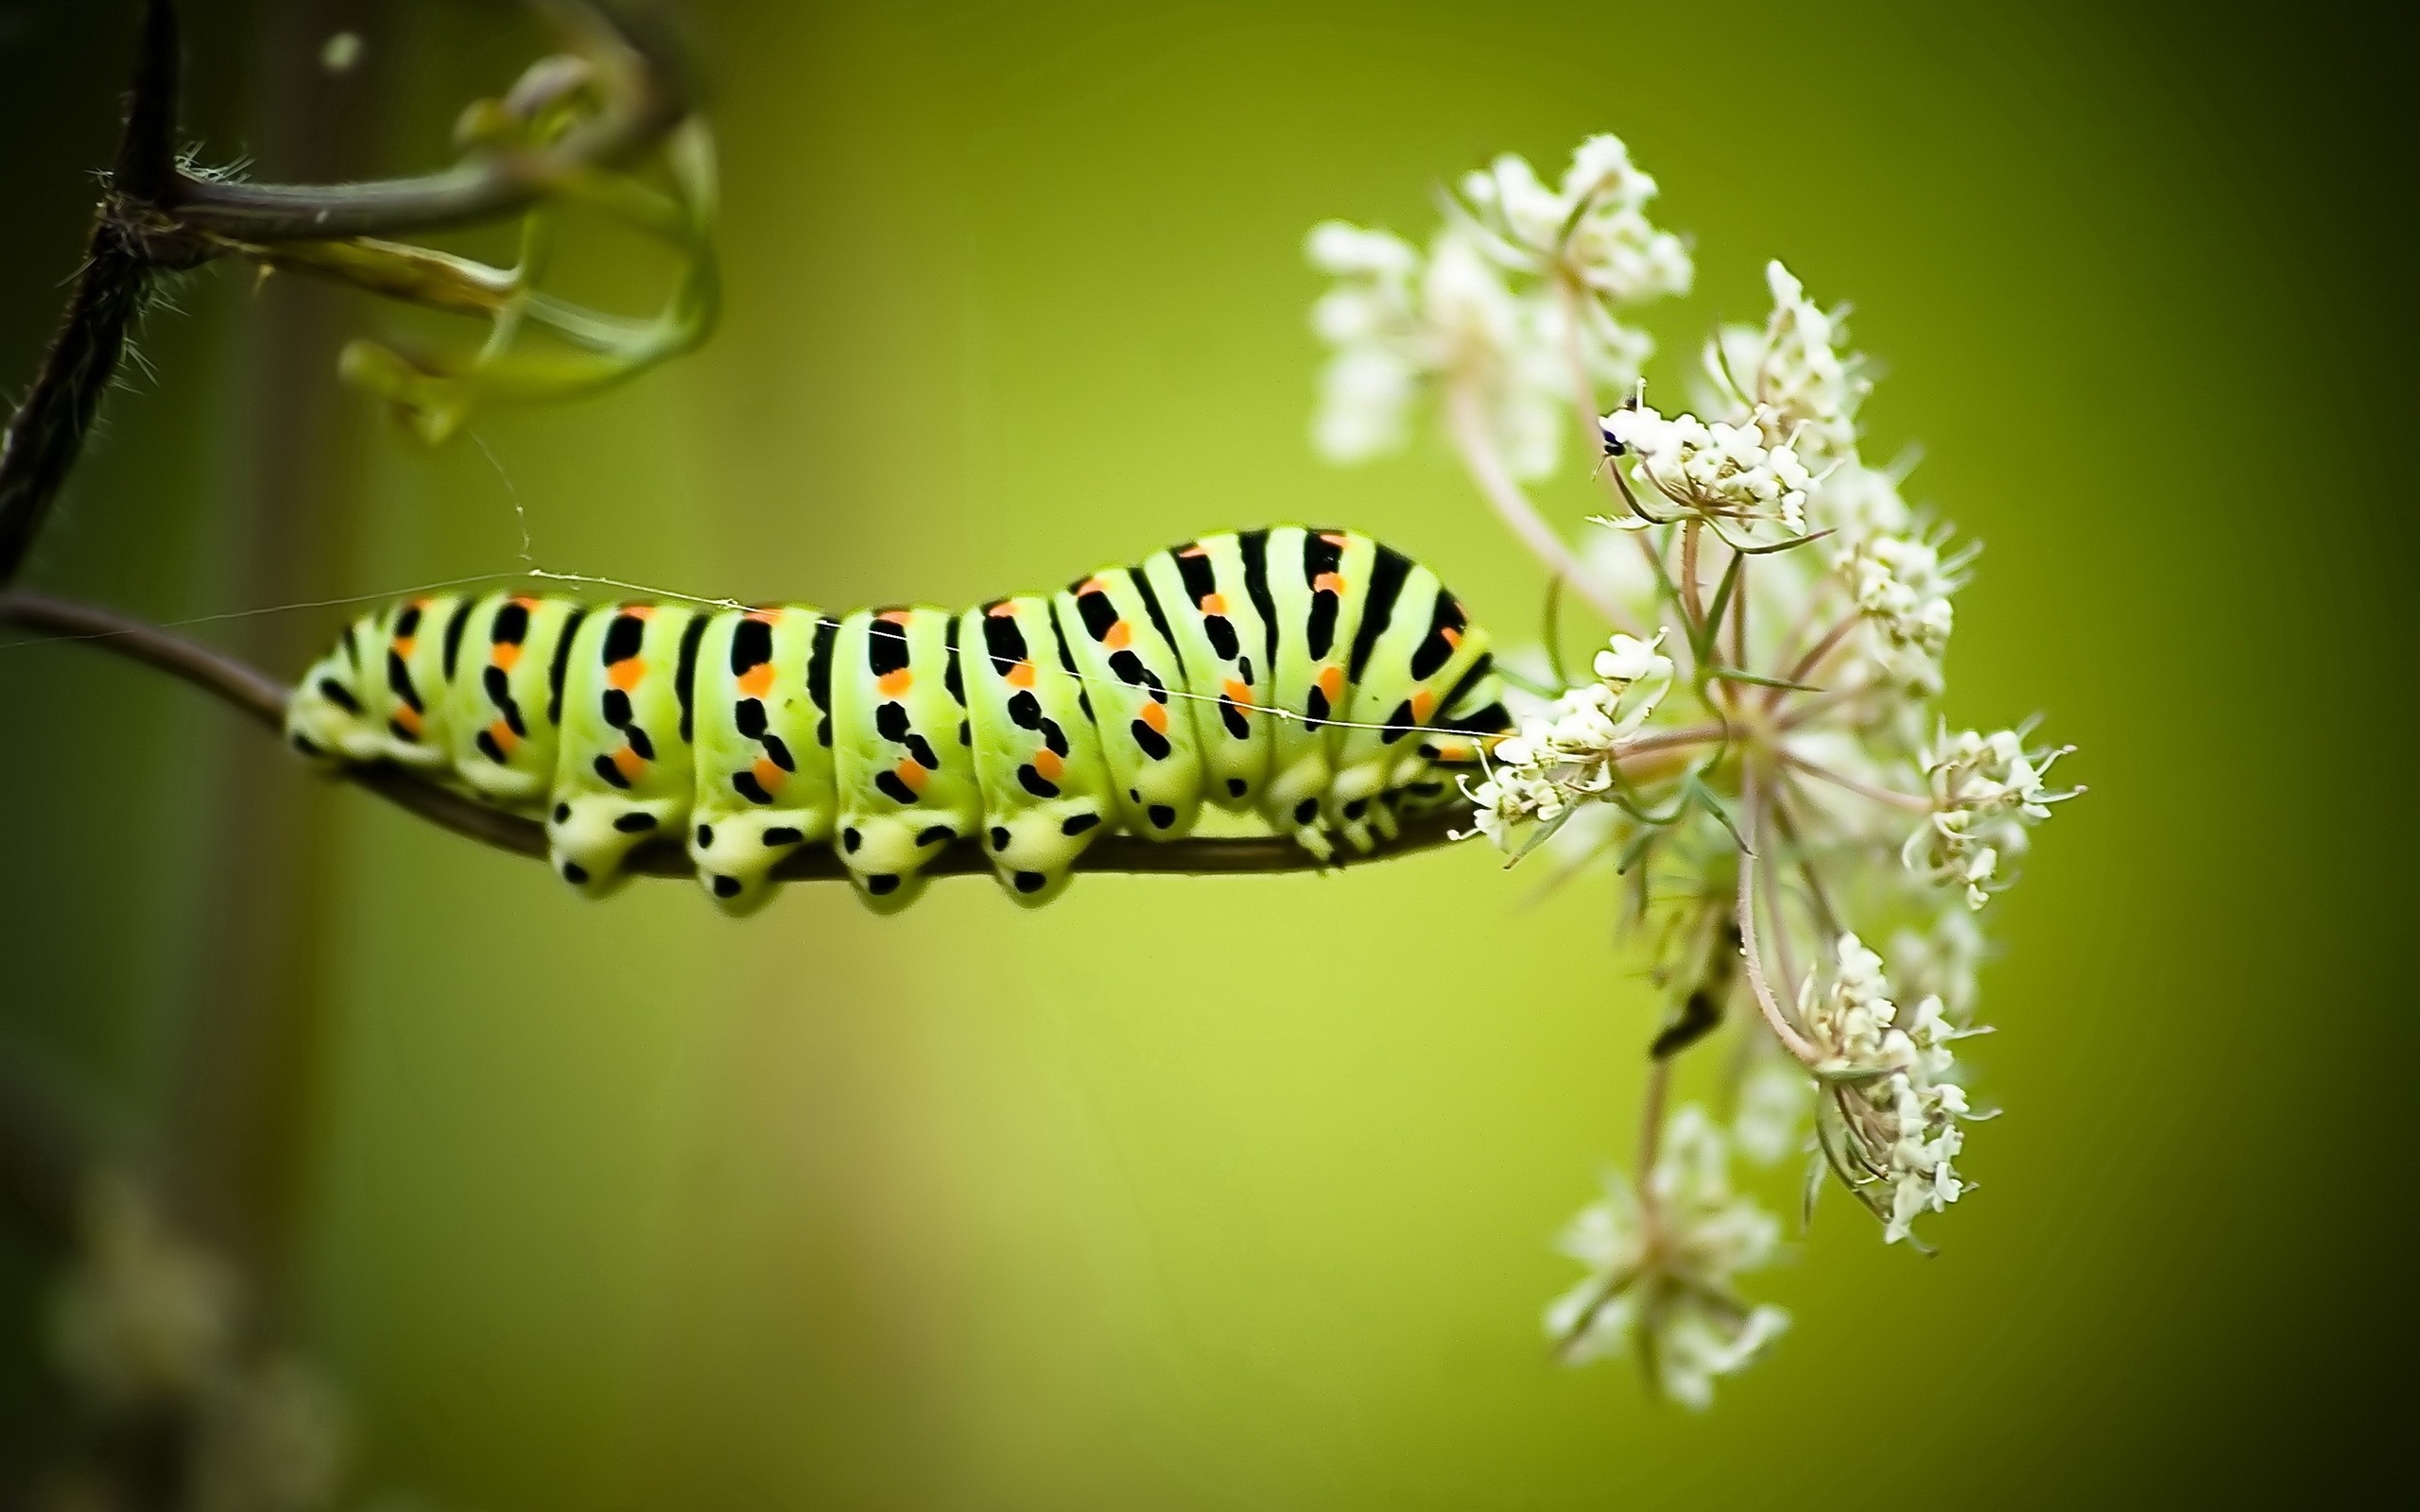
column 1314, row 677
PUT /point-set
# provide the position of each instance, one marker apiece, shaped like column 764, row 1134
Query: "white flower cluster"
column 1660, row 1278
column 1986, row 789
column 1901, row 585
column 1489, row 311
column 1793, row 371
column 1772, row 1108
column 1718, row 472
column 1567, row 755
column 1372, row 320
column 1889, row 1071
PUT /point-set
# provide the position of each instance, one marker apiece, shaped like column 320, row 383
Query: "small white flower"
column 1371, row 319
column 1901, row 585
column 1592, row 230
column 1986, row 791
column 1856, row 500
column 1892, row 1113
column 1775, row 1097
column 1942, row 961
column 1660, row 1279
column 1564, row 755
column 1718, row 472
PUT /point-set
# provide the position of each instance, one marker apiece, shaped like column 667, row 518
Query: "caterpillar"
column 1312, row 677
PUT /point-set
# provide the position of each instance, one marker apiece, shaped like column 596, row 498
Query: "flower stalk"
column 1758, row 752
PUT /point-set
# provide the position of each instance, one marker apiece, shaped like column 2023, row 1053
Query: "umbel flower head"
column 1661, row 1264
column 1759, row 756
column 1519, row 284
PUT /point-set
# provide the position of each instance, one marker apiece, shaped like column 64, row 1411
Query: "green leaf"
column 1735, row 675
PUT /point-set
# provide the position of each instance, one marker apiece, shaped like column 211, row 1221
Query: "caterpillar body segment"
column 762, row 696
column 1315, row 678
column 1223, row 641
column 1047, row 788
column 1130, row 672
column 625, row 770
column 902, row 754
column 502, row 703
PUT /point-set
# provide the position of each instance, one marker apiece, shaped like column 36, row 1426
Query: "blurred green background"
column 1239, row 1192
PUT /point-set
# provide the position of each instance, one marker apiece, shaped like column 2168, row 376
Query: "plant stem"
column 1775, row 1018
column 1468, row 427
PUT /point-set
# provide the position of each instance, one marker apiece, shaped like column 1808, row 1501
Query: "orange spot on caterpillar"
column 911, row 774
column 1120, row 636
column 628, row 673
column 1214, row 603
column 1021, row 676
column 639, row 612
column 506, row 741
column 1047, row 764
column 408, row 717
column 630, row 764
column 1002, row 610
column 505, row 655
column 769, row 775
column 757, row 680
column 1238, row 691
column 894, row 684
column 1195, row 551
column 1334, row 538
column 1155, row 716
column 404, row 644
column 525, row 601
column 1328, row 583
column 1091, row 585
column 1453, row 637
column 766, row 616
column 1423, row 703
column 1331, row 681
column 896, row 616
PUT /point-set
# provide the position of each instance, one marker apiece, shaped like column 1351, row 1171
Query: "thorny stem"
column 1817, row 895
column 1692, row 603
column 1469, row 430
column 1795, row 1043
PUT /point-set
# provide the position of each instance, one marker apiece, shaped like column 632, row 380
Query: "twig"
column 644, row 100
column 159, row 216
column 261, row 698
column 46, row 435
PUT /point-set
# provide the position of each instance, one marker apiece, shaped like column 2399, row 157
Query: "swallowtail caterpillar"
column 1314, row 678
